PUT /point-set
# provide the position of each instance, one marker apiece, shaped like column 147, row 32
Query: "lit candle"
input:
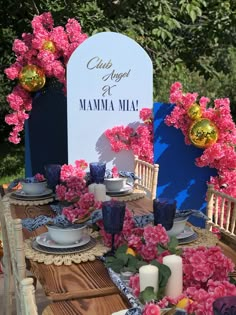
column 91, row 188
column 148, row 277
column 174, row 285
column 100, row 192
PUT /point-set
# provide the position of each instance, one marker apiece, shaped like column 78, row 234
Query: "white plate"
column 45, row 240
column 121, row 191
column 187, row 232
column 21, row 193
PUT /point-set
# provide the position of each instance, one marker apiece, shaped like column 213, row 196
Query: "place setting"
column 66, row 240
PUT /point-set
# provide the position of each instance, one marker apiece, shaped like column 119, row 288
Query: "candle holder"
column 52, row 174
column 225, row 305
column 164, row 212
column 113, row 213
column 97, row 172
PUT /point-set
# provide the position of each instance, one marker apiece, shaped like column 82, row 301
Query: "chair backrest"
column 7, row 269
column 148, row 176
column 28, row 297
column 221, row 210
column 16, row 251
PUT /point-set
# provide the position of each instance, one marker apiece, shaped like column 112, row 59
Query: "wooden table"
column 87, row 287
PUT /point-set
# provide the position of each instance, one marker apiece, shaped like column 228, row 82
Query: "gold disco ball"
column 32, row 78
column 49, row 45
column 194, row 112
column 203, row 133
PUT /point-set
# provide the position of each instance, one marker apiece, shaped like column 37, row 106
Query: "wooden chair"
column 6, row 264
column 27, row 290
column 14, row 263
column 221, row 210
column 148, row 176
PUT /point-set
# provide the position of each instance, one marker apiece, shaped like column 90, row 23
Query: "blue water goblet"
column 113, row 213
column 164, row 212
column 52, row 174
column 225, row 305
column 97, row 172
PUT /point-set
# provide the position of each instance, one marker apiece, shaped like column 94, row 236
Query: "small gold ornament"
column 32, row 78
column 203, row 133
column 49, row 45
column 194, row 112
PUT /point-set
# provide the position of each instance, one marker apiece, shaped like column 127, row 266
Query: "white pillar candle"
column 148, row 277
column 100, row 192
column 174, row 285
column 91, row 188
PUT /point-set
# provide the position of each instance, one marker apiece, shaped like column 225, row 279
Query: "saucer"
column 45, row 240
column 22, row 195
column 189, row 239
column 125, row 190
column 187, row 232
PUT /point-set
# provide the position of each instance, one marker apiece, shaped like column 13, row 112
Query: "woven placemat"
column 95, row 248
column 135, row 195
column 205, row 238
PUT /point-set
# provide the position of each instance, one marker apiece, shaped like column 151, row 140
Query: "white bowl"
column 178, row 226
column 67, row 235
column 115, row 184
column 35, row 188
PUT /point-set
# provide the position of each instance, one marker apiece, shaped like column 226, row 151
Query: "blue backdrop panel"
column 46, row 131
column 179, row 177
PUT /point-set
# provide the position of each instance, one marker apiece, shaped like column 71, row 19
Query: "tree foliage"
column 188, row 40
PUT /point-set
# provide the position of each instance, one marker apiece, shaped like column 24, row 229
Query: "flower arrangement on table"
column 205, row 270
column 40, row 55
column 73, row 193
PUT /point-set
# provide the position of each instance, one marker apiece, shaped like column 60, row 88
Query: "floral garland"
column 205, row 279
column 205, row 270
column 139, row 141
column 44, row 53
column 221, row 154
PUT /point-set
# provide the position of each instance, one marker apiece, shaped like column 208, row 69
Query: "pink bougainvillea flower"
column 35, row 49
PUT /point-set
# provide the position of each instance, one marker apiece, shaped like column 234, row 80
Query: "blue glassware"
column 225, row 305
column 52, row 174
column 97, row 172
column 164, row 212
column 113, row 213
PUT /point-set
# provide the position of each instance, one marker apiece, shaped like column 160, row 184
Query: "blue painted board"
column 179, row 177
column 46, row 131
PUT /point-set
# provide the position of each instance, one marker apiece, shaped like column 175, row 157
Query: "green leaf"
column 147, row 295
column 122, row 256
column 117, row 265
column 164, row 273
column 193, row 15
column 121, row 250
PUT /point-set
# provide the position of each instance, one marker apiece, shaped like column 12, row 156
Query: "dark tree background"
column 192, row 41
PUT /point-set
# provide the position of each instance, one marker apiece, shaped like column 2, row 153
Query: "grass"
column 11, row 162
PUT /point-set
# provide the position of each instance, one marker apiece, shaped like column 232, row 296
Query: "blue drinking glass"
column 225, row 305
column 113, row 213
column 164, row 212
column 52, row 174
column 97, row 172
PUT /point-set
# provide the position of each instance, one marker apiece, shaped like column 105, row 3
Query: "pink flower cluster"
column 205, row 279
column 32, row 50
column 221, row 155
column 201, row 264
column 73, row 190
column 143, row 240
column 139, row 140
column 39, row 177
